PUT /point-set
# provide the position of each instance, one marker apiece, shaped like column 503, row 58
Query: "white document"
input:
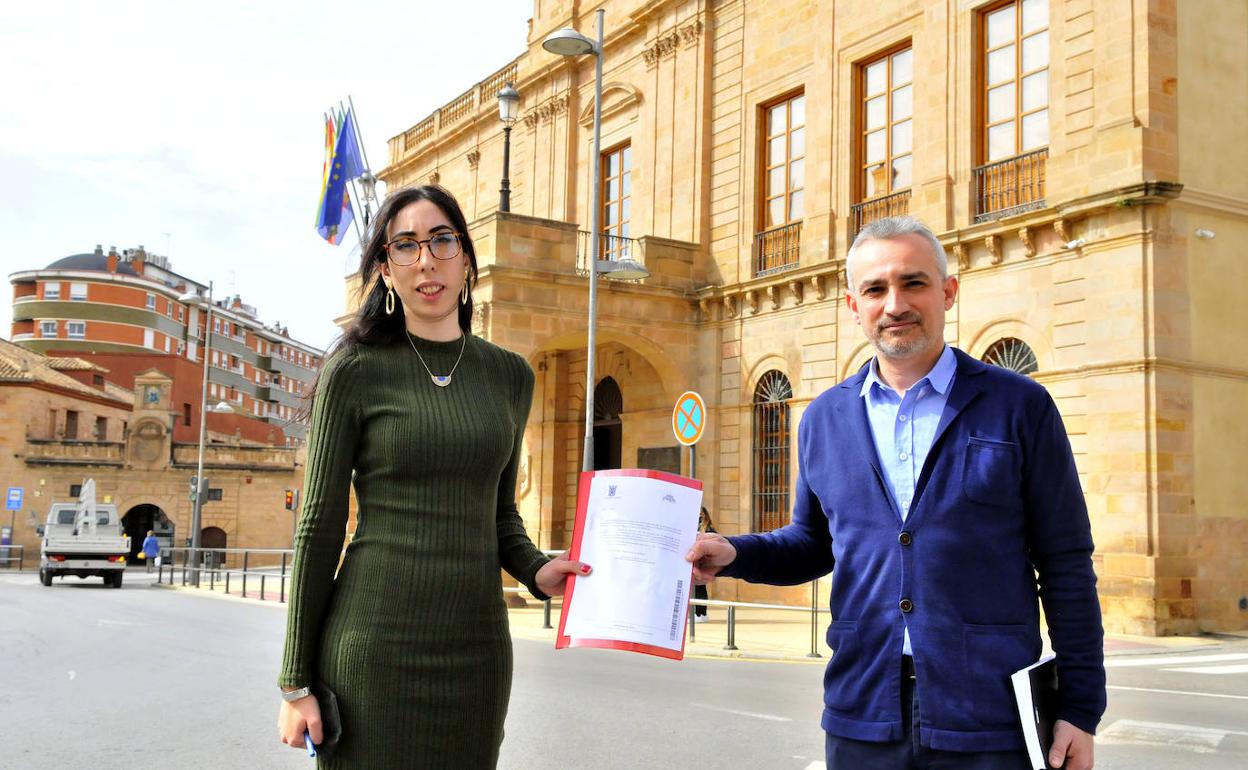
column 636, row 534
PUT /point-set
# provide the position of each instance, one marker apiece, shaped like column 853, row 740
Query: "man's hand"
column 1072, row 747
column 552, row 577
column 710, row 554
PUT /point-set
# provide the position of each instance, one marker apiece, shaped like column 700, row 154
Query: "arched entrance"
column 141, row 518
column 213, row 537
column 608, row 430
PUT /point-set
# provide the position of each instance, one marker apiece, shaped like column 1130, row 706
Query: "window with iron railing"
column 615, row 170
column 771, row 451
column 609, row 247
column 782, row 168
column 1014, row 108
column 886, row 124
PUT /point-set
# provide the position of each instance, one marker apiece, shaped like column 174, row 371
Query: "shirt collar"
column 940, row 376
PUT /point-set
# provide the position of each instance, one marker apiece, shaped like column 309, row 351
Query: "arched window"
column 771, row 451
column 1013, row 354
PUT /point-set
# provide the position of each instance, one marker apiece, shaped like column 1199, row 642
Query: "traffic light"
column 290, row 499
column 194, row 479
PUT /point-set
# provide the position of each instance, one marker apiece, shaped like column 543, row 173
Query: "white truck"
column 85, row 539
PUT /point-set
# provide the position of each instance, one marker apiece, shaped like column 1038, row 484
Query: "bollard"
column 262, row 577
column 281, row 586
column 814, row 620
column 227, row 582
column 244, row 583
column 693, row 626
column 245, row 555
column 732, row 628
column 546, row 614
column 212, row 581
column 283, row 567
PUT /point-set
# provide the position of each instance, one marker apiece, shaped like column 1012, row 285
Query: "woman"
column 699, row 591
column 426, row 420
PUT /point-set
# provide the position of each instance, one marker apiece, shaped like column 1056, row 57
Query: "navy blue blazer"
column 998, row 519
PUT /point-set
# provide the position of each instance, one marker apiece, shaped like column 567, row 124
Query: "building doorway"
column 608, row 430
column 213, row 537
column 138, row 521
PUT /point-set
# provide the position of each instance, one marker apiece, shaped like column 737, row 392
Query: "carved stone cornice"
column 816, row 283
column 1029, row 245
column 1062, row 228
column 795, row 288
column 730, row 305
column 546, row 111
column 751, row 299
column 962, row 255
column 474, row 158
column 667, row 44
column 773, row 297
column 993, row 244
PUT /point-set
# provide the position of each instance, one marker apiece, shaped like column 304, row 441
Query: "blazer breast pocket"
column 991, row 471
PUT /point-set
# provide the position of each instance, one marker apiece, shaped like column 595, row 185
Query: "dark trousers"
column 907, row 753
column 699, row 592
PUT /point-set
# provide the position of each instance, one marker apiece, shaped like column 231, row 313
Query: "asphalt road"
column 94, row 677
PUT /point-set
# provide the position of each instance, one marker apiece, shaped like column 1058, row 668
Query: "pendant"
column 440, row 381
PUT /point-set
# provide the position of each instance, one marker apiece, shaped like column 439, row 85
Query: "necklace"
column 440, row 380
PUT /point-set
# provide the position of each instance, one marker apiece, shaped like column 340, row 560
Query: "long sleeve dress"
column 411, row 632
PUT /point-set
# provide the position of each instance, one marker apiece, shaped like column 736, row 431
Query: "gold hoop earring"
column 463, row 295
column 389, row 300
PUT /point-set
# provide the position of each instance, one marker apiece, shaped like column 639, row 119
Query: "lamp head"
column 569, row 42
column 369, row 183
column 623, row 269
column 508, row 104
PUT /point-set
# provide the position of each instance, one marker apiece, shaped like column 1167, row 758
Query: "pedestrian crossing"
column 1217, row 664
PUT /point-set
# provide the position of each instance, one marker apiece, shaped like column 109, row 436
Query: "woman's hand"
column 553, row 575
column 297, row 716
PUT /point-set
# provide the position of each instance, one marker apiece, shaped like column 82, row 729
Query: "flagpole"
column 359, row 135
column 359, row 145
column 368, row 168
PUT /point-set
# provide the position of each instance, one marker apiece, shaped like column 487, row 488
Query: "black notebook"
column 1035, row 691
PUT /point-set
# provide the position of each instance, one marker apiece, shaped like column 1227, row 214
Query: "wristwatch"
column 294, row 695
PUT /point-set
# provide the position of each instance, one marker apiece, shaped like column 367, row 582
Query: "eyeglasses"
column 405, row 250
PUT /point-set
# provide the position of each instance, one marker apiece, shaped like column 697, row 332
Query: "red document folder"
column 582, row 505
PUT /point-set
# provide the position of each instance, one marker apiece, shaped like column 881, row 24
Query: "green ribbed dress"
column 412, row 631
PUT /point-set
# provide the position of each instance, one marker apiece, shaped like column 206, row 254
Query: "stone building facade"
column 124, row 440
column 1080, row 161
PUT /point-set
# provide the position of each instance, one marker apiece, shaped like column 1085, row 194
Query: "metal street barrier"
column 7, row 557
column 273, row 564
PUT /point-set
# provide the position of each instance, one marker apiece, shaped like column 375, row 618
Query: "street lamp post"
column 508, row 111
column 569, row 42
column 198, row 502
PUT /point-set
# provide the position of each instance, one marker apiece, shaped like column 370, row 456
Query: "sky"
column 195, row 129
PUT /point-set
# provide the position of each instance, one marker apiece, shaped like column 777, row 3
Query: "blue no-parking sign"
column 13, row 501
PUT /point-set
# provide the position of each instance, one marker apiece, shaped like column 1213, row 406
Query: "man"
column 935, row 488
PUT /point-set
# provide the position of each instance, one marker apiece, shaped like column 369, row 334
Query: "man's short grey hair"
column 895, row 227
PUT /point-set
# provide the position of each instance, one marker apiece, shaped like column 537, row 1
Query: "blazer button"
column 906, row 605
column 905, row 538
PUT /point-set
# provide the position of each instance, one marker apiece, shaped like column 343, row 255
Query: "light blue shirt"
column 903, row 426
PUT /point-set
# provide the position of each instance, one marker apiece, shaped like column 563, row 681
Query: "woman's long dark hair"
column 371, row 324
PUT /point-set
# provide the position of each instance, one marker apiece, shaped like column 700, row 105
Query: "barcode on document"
column 680, row 597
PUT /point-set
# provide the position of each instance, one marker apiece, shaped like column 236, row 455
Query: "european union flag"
column 336, row 214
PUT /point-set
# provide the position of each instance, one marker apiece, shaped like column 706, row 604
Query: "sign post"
column 688, row 423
